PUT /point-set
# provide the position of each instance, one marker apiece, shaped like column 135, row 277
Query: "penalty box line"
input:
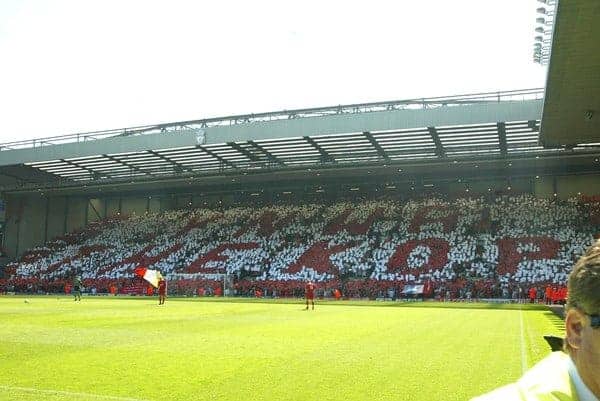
column 67, row 393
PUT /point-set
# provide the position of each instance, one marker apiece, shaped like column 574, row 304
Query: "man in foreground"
column 574, row 373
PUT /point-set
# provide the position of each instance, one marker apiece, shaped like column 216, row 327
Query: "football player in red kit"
column 162, row 290
column 309, row 293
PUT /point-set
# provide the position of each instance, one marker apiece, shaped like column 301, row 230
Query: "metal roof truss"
column 503, row 139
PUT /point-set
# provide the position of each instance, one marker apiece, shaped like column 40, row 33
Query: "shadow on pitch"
column 555, row 320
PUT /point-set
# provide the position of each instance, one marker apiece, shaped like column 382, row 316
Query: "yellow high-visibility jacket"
column 548, row 380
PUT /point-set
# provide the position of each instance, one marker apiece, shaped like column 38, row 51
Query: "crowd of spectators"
column 462, row 248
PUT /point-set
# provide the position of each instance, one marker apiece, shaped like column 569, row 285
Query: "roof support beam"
column 439, row 148
column 377, row 146
column 264, row 151
column 224, row 162
column 94, row 174
column 176, row 166
column 502, row 138
column 130, row 166
column 252, row 156
column 325, row 157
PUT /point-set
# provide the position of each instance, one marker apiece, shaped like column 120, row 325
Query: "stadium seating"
column 462, row 248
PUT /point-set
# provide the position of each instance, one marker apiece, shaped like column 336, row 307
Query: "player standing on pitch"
column 77, row 288
column 309, row 293
column 162, row 290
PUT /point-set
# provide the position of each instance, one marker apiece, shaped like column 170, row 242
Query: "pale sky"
column 69, row 66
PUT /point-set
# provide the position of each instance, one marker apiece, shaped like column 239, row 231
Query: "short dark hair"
column 584, row 282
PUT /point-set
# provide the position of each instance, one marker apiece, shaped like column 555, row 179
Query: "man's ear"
column 574, row 325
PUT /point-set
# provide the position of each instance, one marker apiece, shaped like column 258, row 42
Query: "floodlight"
column 539, row 29
column 539, row 39
column 541, row 10
column 540, row 20
column 542, row 1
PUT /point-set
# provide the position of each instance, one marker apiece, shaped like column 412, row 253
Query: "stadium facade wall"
column 131, row 206
column 25, row 223
column 183, row 201
column 154, row 204
column 76, row 215
column 113, row 207
column 168, row 203
column 11, row 229
column 96, row 210
column 33, row 221
column 545, row 187
column 55, row 221
column 569, row 186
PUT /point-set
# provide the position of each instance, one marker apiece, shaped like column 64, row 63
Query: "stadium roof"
column 423, row 136
column 572, row 102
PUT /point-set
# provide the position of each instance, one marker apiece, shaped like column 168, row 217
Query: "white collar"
column 583, row 391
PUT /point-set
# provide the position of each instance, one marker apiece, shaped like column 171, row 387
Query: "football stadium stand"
column 494, row 247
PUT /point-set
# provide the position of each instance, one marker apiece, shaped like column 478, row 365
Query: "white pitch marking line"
column 523, row 353
column 69, row 393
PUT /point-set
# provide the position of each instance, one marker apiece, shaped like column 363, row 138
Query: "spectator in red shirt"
column 548, row 295
column 309, row 293
column 532, row 294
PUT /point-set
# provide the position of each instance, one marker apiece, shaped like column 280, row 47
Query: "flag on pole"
column 151, row 276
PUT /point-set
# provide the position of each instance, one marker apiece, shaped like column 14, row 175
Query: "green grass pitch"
column 128, row 349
